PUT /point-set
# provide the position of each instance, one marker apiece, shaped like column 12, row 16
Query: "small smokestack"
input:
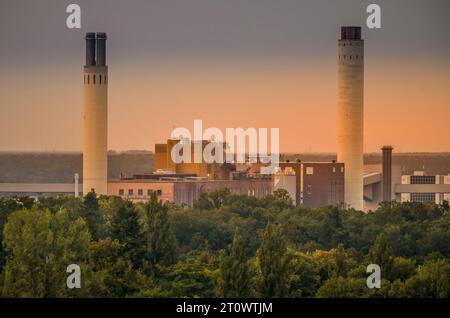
column 76, row 177
column 101, row 49
column 387, row 173
column 90, row 48
column 350, row 33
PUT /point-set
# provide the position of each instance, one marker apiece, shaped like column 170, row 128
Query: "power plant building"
column 318, row 184
column 183, row 189
column 164, row 162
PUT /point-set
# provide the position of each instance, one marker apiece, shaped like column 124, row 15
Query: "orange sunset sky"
column 407, row 91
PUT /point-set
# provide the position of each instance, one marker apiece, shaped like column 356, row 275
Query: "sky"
column 231, row 63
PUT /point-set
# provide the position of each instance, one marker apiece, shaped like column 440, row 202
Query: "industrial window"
column 423, row 179
column 121, row 192
column 158, row 192
column 130, row 191
column 309, row 170
column 423, row 197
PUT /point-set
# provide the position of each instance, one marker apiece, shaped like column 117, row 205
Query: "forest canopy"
column 226, row 245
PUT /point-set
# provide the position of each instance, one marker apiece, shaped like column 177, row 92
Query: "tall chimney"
column 387, row 173
column 90, row 49
column 350, row 113
column 95, row 118
column 101, row 48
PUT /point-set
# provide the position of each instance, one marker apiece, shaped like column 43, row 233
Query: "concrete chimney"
column 95, row 119
column 350, row 113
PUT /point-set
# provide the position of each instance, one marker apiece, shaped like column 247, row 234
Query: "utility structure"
column 95, row 118
column 387, row 173
column 350, row 113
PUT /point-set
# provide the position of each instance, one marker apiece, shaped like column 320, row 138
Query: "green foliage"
column 7, row 206
column 212, row 200
column 153, row 249
column 126, row 228
column 236, row 273
column 91, row 213
column 342, row 287
column 111, row 275
column 40, row 245
column 195, row 276
column 274, row 263
column 432, row 280
column 160, row 240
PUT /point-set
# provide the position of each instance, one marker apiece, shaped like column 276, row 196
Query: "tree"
column 333, row 263
column 306, row 276
column 381, row 254
column 110, row 274
column 445, row 206
column 125, row 228
column 8, row 206
column 40, row 246
column 212, row 200
column 194, row 277
column 274, row 263
column 280, row 200
column 160, row 247
column 236, row 273
column 93, row 217
column 432, row 280
column 340, row 287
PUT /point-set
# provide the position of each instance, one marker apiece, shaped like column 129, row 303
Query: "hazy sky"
column 232, row 63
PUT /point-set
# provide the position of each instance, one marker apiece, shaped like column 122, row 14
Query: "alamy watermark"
column 374, row 279
column 231, row 149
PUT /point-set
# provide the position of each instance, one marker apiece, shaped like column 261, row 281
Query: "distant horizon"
column 152, row 151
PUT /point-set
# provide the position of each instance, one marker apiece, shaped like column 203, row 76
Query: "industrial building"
column 420, row 187
column 164, row 162
column 388, row 183
column 317, row 183
column 184, row 189
column 346, row 182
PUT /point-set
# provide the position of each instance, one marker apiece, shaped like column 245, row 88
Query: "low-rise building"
column 184, row 190
column 317, row 183
column 420, row 187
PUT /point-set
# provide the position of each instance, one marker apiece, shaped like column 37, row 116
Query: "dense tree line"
column 227, row 245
